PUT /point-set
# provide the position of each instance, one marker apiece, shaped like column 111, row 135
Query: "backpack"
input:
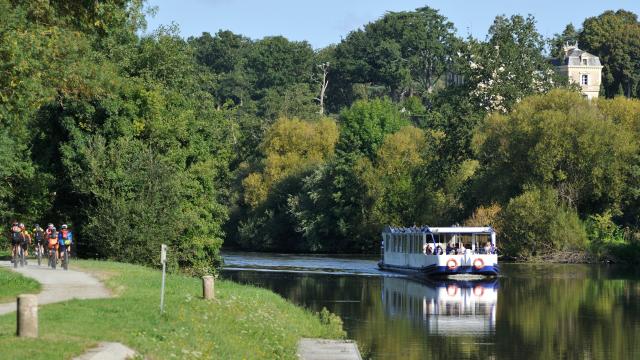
column 65, row 237
column 39, row 235
column 53, row 239
column 16, row 236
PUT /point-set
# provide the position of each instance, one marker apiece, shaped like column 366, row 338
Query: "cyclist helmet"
column 21, row 226
column 64, row 226
column 50, row 226
column 36, row 225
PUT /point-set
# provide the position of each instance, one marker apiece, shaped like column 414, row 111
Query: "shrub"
column 536, row 223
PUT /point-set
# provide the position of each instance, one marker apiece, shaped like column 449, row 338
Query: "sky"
column 324, row 22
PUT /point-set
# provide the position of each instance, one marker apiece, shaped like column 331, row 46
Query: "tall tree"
column 615, row 38
column 509, row 66
column 568, row 36
column 406, row 53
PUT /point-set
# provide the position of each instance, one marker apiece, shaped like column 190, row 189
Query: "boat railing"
column 440, row 241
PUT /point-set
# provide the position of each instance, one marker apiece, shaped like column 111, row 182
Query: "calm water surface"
column 529, row 312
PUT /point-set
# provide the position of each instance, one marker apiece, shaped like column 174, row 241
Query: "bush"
column 536, row 223
column 609, row 241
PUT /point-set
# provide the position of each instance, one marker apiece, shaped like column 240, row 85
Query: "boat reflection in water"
column 443, row 307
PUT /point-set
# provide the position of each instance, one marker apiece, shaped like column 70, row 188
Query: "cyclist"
column 39, row 236
column 50, row 228
column 52, row 240
column 65, row 239
column 26, row 241
column 16, row 239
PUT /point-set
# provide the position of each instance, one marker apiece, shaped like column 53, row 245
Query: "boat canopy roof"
column 441, row 230
column 461, row 230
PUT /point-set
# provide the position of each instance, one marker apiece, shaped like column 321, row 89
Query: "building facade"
column 581, row 68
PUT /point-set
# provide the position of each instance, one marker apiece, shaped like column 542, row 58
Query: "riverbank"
column 243, row 321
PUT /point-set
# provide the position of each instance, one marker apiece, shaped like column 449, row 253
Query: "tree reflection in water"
column 530, row 312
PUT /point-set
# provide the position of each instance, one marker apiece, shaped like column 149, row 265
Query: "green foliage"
column 364, row 125
column 405, row 53
column 509, row 66
column 291, row 149
column 613, row 36
column 559, row 140
column 396, row 181
column 113, row 134
column 332, row 321
column 155, row 139
column 611, row 242
column 536, row 223
column 569, row 36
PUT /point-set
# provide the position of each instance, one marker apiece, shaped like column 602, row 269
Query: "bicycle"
column 53, row 258
column 65, row 258
column 23, row 260
column 39, row 251
column 15, row 253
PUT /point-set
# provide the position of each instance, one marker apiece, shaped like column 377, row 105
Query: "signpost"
column 163, row 260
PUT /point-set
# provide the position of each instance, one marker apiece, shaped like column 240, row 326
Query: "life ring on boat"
column 452, row 264
column 478, row 263
column 452, row 290
column 478, row 293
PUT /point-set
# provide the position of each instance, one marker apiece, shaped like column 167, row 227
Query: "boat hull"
column 436, row 270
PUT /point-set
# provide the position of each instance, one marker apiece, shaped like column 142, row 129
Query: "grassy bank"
column 243, row 321
column 12, row 284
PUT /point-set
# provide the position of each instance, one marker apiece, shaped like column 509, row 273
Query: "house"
column 581, row 68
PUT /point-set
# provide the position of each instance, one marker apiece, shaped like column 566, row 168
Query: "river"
column 528, row 312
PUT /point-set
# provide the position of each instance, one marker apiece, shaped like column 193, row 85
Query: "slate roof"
column 573, row 57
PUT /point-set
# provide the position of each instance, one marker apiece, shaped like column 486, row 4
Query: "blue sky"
column 323, row 22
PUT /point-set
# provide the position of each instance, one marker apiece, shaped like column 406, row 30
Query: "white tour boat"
column 440, row 251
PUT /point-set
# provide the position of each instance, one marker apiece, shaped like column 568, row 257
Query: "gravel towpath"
column 58, row 285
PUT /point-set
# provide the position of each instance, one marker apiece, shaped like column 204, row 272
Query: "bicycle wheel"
column 65, row 260
column 22, row 259
column 15, row 257
column 39, row 250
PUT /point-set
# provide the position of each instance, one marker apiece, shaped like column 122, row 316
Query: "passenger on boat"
column 438, row 250
column 428, row 250
column 487, row 248
column 461, row 249
column 450, row 249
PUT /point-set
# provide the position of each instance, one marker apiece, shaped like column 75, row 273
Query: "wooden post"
column 207, row 287
column 27, row 316
column 163, row 260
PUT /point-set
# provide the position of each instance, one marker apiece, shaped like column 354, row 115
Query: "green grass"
column 13, row 284
column 243, row 322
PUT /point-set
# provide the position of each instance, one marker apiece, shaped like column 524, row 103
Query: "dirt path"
column 57, row 285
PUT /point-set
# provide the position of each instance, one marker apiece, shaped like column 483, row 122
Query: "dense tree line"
column 269, row 144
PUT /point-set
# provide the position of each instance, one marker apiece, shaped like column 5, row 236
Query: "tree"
column 324, row 83
column 509, row 66
column 394, row 180
column 404, row 52
column 558, row 140
column 364, row 125
column 538, row 223
column 569, row 36
column 615, row 38
column 277, row 62
column 291, row 149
